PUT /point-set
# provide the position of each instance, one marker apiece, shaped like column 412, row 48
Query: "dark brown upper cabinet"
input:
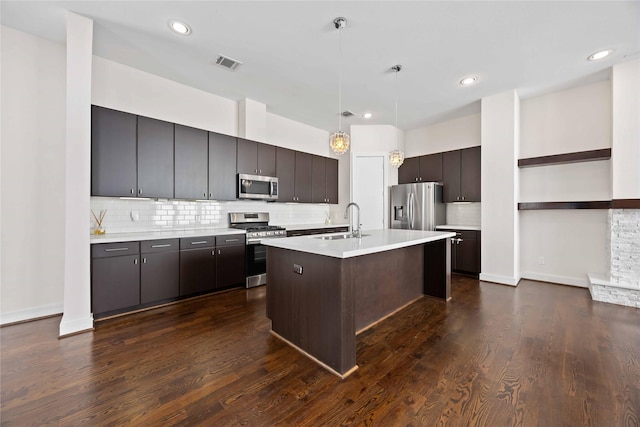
column 255, row 158
column 293, row 169
column 191, row 163
column 427, row 168
column 461, row 175
column 222, row 167
column 303, row 180
column 286, row 173
column 155, row 158
column 324, row 186
column 113, row 153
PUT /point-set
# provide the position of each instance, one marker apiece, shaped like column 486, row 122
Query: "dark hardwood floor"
column 535, row 355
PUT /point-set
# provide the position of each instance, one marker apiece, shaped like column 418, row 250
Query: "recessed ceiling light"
column 468, row 80
column 367, row 115
column 180, row 27
column 599, row 55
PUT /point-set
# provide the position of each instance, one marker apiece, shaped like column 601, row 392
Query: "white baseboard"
column 503, row 280
column 31, row 313
column 563, row 280
column 74, row 326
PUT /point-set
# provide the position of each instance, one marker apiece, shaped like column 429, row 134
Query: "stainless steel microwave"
column 257, row 187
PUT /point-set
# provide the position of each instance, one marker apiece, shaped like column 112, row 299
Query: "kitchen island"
column 324, row 290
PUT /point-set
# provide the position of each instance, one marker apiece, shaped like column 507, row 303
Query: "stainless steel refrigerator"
column 417, row 206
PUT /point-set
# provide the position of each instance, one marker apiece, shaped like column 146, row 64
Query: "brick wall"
column 623, row 284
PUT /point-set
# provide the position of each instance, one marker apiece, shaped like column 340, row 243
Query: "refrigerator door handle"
column 411, row 210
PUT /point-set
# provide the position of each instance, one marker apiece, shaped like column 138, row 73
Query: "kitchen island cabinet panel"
column 115, row 283
column 222, row 167
column 155, row 158
column 191, row 163
column 113, row 153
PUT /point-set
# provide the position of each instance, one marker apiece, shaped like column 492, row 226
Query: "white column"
column 77, row 315
column 500, row 133
column 252, row 120
column 625, row 141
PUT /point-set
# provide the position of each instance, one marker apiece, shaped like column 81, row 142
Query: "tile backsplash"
column 463, row 213
column 125, row 215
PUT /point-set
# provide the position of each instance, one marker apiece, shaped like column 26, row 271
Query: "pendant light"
column 396, row 157
column 339, row 141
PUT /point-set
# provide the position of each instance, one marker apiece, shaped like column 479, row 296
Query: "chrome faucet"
column 357, row 232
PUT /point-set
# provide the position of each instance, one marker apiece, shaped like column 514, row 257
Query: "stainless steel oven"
column 257, row 227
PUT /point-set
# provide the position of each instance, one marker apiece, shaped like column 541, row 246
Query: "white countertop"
column 168, row 234
column 294, row 227
column 458, row 227
column 373, row 241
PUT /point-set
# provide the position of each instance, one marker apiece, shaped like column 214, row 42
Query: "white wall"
column 449, row 135
column 500, row 230
column 626, row 130
column 562, row 246
column 128, row 89
column 577, row 119
column 77, row 272
column 33, row 176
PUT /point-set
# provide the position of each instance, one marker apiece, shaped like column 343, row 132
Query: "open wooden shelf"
column 601, row 204
column 558, row 159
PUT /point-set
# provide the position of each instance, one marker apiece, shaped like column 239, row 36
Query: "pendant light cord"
column 340, row 79
column 397, row 71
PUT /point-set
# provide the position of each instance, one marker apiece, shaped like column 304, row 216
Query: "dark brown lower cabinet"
column 159, row 276
column 230, row 265
column 465, row 252
column 115, row 283
column 197, row 270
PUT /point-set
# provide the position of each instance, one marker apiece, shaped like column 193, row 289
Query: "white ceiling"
column 290, row 49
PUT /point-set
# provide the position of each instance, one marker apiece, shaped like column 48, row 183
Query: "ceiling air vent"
column 228, row 63
column 347, row 113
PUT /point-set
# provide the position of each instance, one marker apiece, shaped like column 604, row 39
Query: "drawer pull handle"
column 116, row 249
column 199, row 242
column 168, row 245
column 231, row 240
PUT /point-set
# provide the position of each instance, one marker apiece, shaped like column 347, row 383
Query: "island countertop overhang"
column 373, row 241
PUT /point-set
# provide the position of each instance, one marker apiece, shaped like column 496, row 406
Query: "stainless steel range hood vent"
column 228, row 63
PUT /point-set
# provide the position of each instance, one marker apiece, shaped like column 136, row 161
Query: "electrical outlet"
column 541, row 260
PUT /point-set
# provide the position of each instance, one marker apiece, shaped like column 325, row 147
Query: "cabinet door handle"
column 144, row 260
column 213, row 253
column 210, row 195
column 116, row 249
column 218, row 251
column 135, row 261
column 199, row 242
column 204, row 194
column 232, row 240
column 462, row 197
column 132, row 192
column 139, row 190
column 161, row 246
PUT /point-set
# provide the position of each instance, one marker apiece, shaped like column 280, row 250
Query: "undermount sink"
column 340, row 236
